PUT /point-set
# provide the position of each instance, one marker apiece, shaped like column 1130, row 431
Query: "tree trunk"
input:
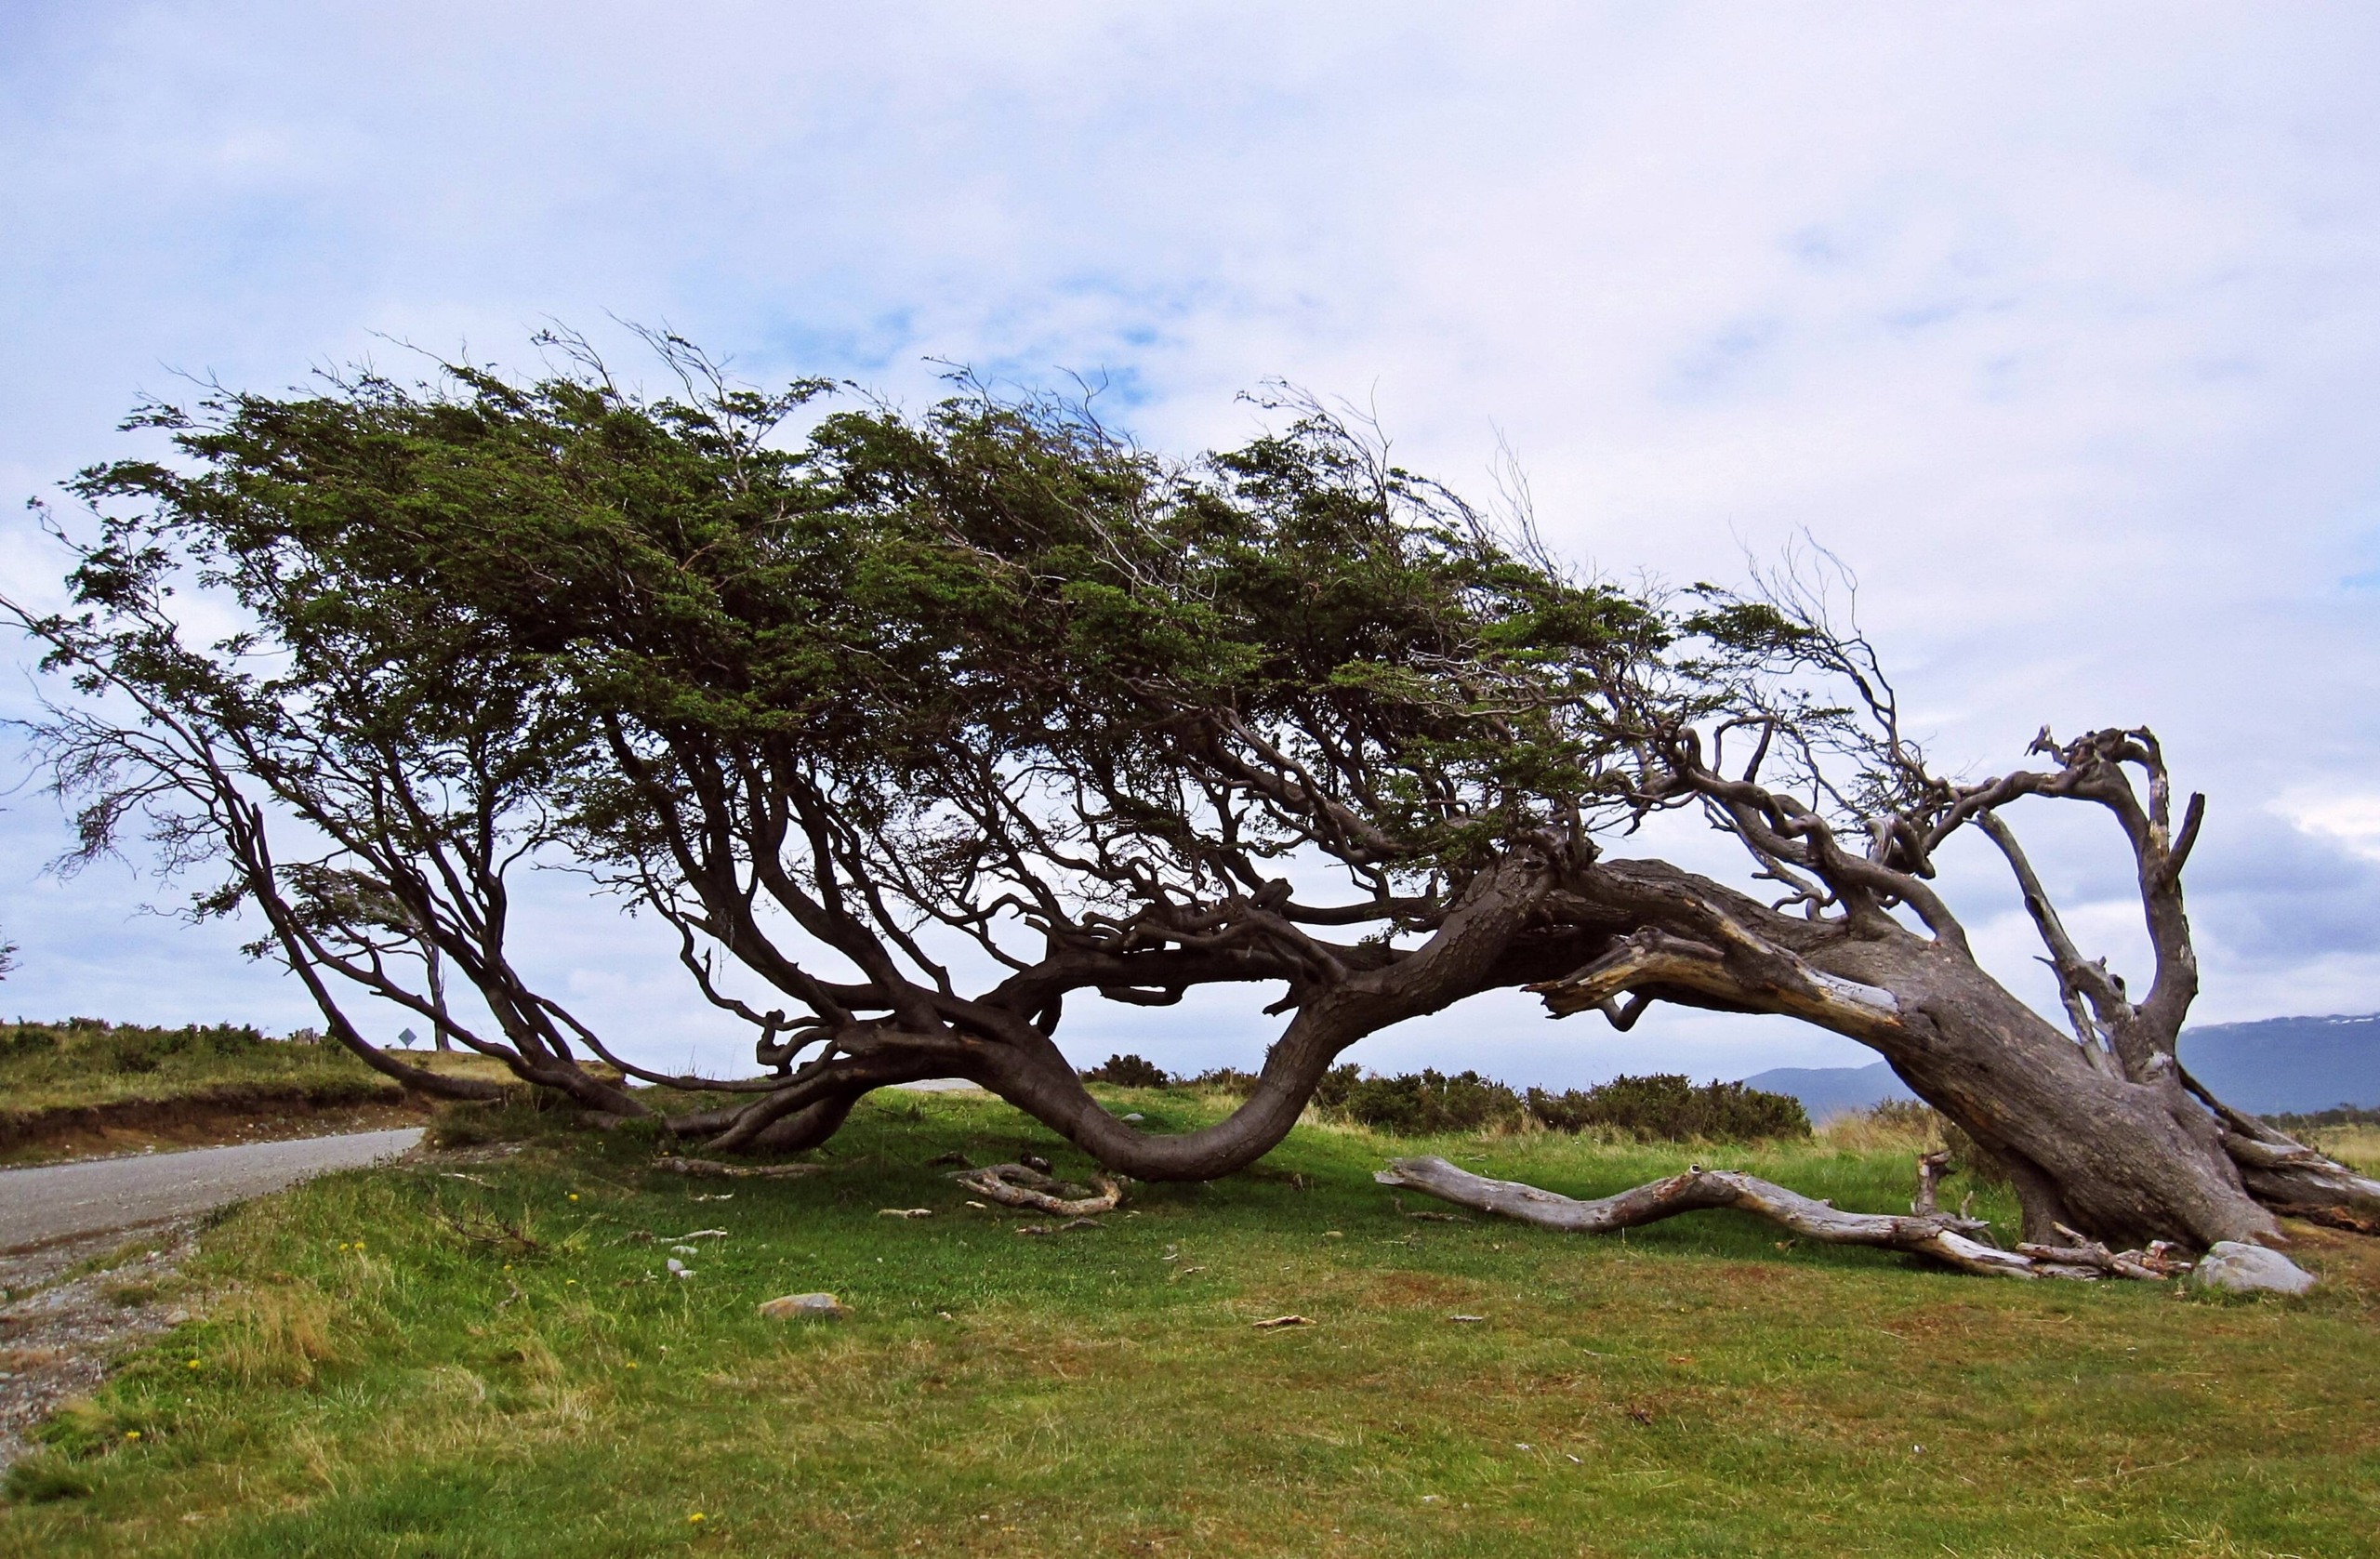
column 2125, row 1161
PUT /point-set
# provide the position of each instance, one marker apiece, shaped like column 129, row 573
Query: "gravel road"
column 61, row 1201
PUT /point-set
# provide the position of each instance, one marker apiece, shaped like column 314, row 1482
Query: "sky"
column 2059, row 324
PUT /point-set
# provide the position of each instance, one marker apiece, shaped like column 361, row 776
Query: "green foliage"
column 1907, row 1114
column 27, row 1051
column 1336, row 1086
column 136, row 1050
column 556, row 598
column 2341, row 1114
column 26, row 1041
column 1428, row 1104
column 1658, row 1108
column 1129, row 1071
column 1665, row 1107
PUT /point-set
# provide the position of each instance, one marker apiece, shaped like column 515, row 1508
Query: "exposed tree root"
column 2290, row 1178
column 1014, row 1185
column 1944, row 1237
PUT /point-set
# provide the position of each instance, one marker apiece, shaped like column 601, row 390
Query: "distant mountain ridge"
column 2275, row 1066
column 2284, row 1065
column 1827, row 1092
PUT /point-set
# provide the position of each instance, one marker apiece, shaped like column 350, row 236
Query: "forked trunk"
column 2113, row 1144
column 2085, row 1146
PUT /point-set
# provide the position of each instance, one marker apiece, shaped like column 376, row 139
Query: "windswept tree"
column 928, row 727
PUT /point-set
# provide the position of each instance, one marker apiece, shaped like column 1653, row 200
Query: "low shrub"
column 24, row 1040
column 1129, row 1071
column 2340, row 1115
column 1222, row 1079
column 1665, row 1107
column 125, row 1047
column 1426, row 1102
column 1337, row 1085
column 138, row 1051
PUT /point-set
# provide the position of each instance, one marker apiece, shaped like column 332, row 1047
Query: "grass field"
column 483, row 1355
column 82, row 1062
column 82, row 1087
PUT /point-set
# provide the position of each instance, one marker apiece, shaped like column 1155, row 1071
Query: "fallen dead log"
column 1943, row 1237
column 712, row 1168
column 1017, row 1187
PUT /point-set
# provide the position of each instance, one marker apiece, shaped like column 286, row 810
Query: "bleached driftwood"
column 714, row 1168
column 1014, row 1185
column 1926, row 1231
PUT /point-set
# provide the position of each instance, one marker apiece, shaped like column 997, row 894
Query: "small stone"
column 2239, row 1268
column 1136, row 1115
column 796, row 1306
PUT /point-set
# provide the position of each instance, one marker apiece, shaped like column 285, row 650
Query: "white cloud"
column 2350, row 821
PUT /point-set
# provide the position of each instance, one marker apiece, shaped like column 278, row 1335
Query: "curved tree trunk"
column 2100, row 1130
column 2125, row 1161
column 2089, row 1148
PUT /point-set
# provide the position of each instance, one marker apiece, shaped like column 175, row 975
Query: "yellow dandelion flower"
column 193, row 1364
column 696, row 1517
column 132, row 1434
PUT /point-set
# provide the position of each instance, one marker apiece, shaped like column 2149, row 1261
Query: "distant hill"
column 1834, row 1090
column 2288, row 1064
column 2277, row 1066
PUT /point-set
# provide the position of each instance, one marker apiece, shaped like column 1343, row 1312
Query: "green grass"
column 372, row 1382
column 71, row 1065
column 84, row 1086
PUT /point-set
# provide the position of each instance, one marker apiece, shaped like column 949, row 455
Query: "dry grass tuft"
column 275, row 1335
column 2358, row 1147
column 1910, row 1129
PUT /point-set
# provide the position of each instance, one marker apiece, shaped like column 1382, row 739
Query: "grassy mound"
column 84, row 1086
